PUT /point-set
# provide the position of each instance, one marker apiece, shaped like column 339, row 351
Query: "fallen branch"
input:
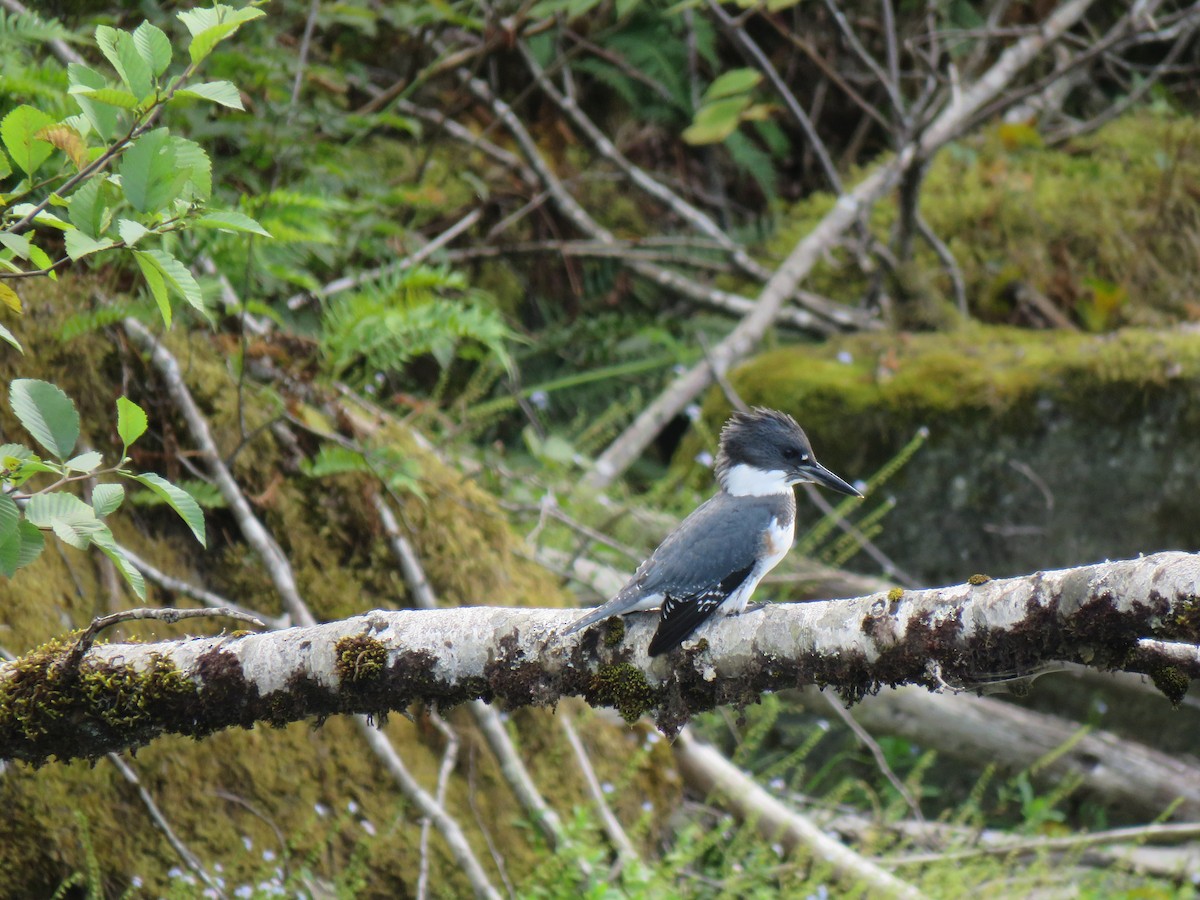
column 386, row 659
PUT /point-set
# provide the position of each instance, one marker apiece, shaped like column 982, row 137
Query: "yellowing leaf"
column 68, row 140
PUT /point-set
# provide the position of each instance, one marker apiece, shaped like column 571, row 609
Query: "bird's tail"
column 600, row 612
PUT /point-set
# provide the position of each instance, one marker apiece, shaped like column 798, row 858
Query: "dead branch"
column 384, row 660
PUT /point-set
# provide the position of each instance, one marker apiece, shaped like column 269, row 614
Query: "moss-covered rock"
column 1045, row 448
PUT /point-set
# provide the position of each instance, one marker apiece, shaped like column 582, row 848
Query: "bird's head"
column 764, row 451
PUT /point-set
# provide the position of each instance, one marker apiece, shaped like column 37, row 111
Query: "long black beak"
column 816, row 473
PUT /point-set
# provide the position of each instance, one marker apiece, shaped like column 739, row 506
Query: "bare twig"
column 864, row 738
column 161, row 614
column 448, row 758
column 710, row 772
column 626, row 853
column 160, row 822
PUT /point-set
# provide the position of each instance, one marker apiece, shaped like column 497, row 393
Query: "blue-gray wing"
column 723, row 536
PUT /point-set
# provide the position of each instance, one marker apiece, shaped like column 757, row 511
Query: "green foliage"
column 420, row 311
column 162, row 183
column 51, row 418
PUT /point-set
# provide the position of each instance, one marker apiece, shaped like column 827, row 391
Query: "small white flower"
column 1101, row 707
column 607, row 787
column 692, row 411
column 244, row 892
column 352, row 807
column 647, row 806
column 135, row 881
column 246, row 842
column 321, row 809
column 705, row 459
column 539, row 399
column 823, row 724
column 776, row 784
column 217, row 867
column 368, row 827
column 269, row 855
column 844, row 357
column 778, row 848
column 174, row 872
column 653, row 737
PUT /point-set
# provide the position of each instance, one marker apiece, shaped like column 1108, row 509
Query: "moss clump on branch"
column 44, row 695
column 1172, row 682
column 624, row 687
column 360, row 658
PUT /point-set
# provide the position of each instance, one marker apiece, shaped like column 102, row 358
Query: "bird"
column 716, row 557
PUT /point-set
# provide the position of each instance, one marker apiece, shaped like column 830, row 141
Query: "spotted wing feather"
column 682, row 615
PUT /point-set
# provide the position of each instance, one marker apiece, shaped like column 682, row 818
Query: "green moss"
column 1172, row 682
column 979, row 579
column 360, row 658
column 895, row 594
column 614, row 632
column 624, row 687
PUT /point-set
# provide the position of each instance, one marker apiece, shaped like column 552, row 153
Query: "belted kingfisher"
column 716, row 557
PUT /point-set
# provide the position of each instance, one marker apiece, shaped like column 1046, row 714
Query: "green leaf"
column 211, row 26
column 10, row 516
column 153, row 46
column 178, row 499
column 10, row 550
column 176, row 276
column 149, row 177
column 222, row 92
column 7, row 336
column 106, row 498
column 108, row 546
column 79, row 245
column 5, row 166
column 86, row 209
column 118, row 48
column 131, row 421
column 154, row 280
column 194, row 167
column 108, row 96
column 18, row 130
column 102, row 116
column 32, row 542
column 716, row 121
column 47, row 413
column 131, row 232
column 735, row 81
column 229, row 220
column 66, row 515
column 85, row 462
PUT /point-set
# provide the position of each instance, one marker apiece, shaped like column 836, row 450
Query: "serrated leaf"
column 131, row 232
column 5, row 166
column 32, row 542
column 10, row 552
column 108, row 546
column 42, row 218
column 10, row 516
column 176, row 276
column 211, row 26
column 108, row 96
column 131, row 421
column 149, row 177
column 47, row 413
column 19, row 131
column 40, row 258
column 79, row 245
column 735, row 81
column 66, row 515
column 10, row 298
column 229, row 220
column 222, row 92
column 158, row 287
column 118, row 48
column 68, row 140
column 179, row 500
column 153, row 46
column 106, row 498
column 85, row 462
column 9, row 338
column 194, row 167
column 86, row 210
column 102, row 117
column 17, row 243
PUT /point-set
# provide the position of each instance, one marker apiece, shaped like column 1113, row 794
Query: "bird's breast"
column 778, row 541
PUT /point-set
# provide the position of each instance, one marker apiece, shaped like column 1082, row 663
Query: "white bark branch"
column 385, row 659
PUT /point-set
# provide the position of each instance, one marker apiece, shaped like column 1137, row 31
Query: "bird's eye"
column 791, row 453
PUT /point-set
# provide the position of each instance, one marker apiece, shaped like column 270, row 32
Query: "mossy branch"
column 1138, row 615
